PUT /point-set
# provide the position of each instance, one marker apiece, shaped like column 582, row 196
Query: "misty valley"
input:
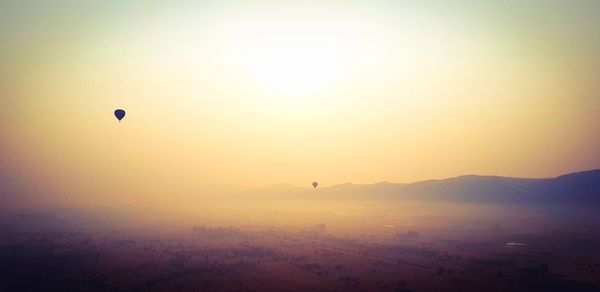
column 286, row 238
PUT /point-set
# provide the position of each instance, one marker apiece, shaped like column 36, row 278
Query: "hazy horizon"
column 241, row 145
column 253, row 94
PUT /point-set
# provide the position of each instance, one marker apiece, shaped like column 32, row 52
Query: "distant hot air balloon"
column 120, row 114
column 315, row 184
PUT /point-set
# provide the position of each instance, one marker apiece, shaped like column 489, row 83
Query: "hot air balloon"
column 315, row 184
column 120, row 114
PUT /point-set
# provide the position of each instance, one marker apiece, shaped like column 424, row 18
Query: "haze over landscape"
column 160, row 146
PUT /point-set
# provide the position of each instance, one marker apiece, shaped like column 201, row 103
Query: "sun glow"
column 296, row 57
column 221, row 92
column 295, row 71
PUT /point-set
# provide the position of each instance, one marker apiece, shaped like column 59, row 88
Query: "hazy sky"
column 254, row 93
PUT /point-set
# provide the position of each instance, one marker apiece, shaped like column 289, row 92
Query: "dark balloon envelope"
column 120, row 114
column 315, row 184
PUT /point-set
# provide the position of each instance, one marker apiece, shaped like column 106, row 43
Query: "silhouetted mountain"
column 580, row 187
column 575, row 187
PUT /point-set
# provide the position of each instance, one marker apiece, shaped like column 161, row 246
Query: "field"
column 291, row 245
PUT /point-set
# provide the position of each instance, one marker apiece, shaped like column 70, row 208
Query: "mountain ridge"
column 576, row 187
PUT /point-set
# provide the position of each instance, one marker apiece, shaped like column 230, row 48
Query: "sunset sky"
column 252, row 93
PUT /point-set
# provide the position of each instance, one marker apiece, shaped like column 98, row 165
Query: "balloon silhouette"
column 120, row 114
column 315, row 184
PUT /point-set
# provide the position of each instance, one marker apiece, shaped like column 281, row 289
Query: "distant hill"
column 580, row 187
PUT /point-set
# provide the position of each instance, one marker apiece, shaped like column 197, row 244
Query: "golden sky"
column 252, row 93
